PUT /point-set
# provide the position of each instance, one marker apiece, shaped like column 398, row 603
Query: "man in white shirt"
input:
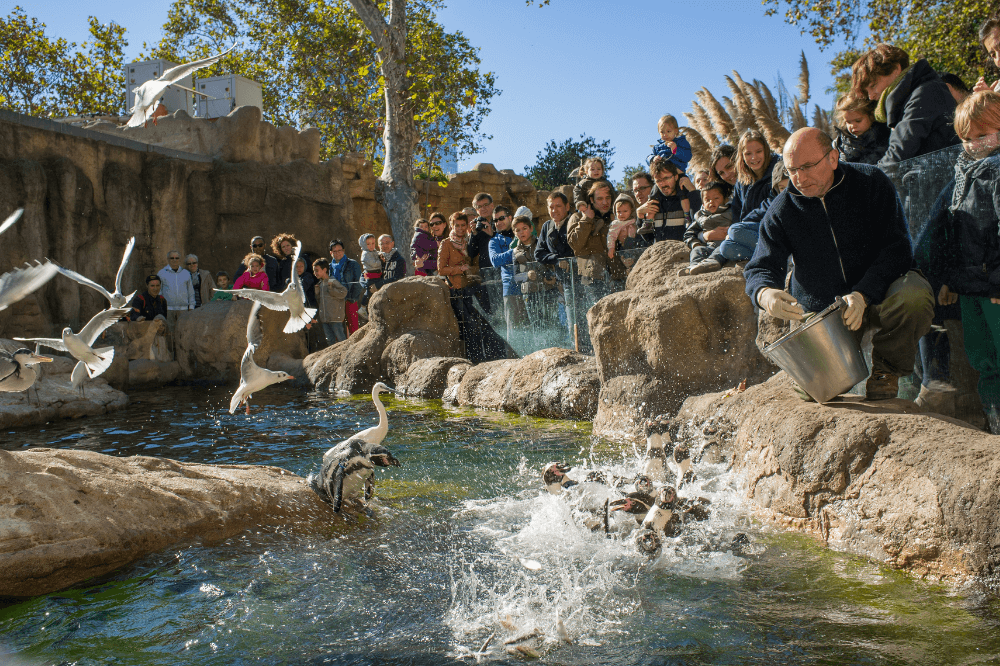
column 177, row 287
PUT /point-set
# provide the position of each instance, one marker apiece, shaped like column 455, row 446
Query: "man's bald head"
column 810, row 160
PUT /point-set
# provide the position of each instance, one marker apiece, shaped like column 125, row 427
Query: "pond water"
column 463, row 542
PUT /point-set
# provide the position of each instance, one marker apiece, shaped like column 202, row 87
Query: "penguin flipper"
column 338, row 484
column 314, row 483
column 369, row 488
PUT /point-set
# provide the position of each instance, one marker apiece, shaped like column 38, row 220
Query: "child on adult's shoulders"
column 672, row 145
column 859, row 137
column 592, row 171
column 623, row 226
column 711, row 222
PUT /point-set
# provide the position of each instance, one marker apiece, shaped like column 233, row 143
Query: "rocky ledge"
column 70, row 515
column 915, row 490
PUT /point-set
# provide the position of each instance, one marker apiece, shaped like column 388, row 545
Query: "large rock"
column 210, row 341
column 551, row 383
column 53, row 397
column 407, row 320
column 917, row 491
column 429, row 377
column 70, row 515
column 667, row 337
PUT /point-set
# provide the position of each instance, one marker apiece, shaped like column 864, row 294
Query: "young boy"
column 222, row 282
column 591, row 172
column 330, row 295
column 672, row 146
column 710, row 224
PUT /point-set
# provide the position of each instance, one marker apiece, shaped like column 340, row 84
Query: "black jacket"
column 750, row 202
column 960, row 246
column 394, row 267
column 552, row 245
column 146, row 306
column 920, row 112
column 852, row 239
column 865, row 149
column 479, row 242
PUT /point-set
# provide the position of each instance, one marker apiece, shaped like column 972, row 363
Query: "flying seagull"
column 147, row 94
column 116, row 299
column 291, row 299
column 9, row 222
column 79, row 345
column 20, row 282
column 253, row 378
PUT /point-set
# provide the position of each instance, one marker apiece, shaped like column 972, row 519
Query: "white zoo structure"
column 229, row 91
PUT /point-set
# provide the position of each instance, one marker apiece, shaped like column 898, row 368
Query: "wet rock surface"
column 70, row 515
column 915, row 490
column 551, row 383
column 408, row 320
column 667, row 337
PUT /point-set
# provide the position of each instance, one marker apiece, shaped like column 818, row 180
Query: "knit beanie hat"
column 363, row 239
column 523, row 211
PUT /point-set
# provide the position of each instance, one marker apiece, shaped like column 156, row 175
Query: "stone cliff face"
column 84, row 197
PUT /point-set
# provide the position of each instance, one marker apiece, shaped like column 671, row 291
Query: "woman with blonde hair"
column 751, row 197
column 959, row 248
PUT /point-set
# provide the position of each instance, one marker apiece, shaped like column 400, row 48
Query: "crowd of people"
column 823, row 217
column 338, row 287
column 819, row 221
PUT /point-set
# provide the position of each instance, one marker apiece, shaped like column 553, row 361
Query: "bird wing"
column 269, row 299
column 254, row 333
column 175, row 74
column 51, row 343
column 9, row 222
column 121, row 269
column 99, row 322
column 22, row 281
column 141, row 110
column 85, row 281
column 8, row 365
column 295, row 282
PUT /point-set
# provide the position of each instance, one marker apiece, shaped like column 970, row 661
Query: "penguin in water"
column 554, row 477
column 680, row 464
column 635, row 503
column 660, row 519
column 657, row 437
column 347, row 470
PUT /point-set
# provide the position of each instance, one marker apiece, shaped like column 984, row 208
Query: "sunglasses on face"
column 257, row 245
column 500, row 219
column 191, row 263
column 437, row 224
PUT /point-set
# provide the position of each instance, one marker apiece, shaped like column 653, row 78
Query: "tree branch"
column 375, row 22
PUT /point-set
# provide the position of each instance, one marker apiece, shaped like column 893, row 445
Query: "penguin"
column 554, row 477
column 346, row 473
column 659, row 519
column 643, row 484
column 680, row 464
column 654, row 463
column 637, row 504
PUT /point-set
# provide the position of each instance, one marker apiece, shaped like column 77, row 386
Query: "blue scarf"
column 338, row 269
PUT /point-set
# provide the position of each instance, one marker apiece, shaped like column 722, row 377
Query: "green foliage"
column 625, row 184
column 944, row 32
column 318, row 66
column 97, row 77
column 555, row 162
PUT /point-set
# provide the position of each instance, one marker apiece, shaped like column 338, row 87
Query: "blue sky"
column 605, row 69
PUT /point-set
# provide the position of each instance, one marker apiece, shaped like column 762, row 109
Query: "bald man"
column 844, row 227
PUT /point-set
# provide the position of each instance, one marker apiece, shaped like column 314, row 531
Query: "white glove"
column 855, row 311
column 521, row 277
column 779, row 304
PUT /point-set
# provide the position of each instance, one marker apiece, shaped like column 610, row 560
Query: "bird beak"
column 618, row 505
column 41, row 359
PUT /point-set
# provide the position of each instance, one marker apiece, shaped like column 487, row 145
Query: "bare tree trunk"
column 394, row 189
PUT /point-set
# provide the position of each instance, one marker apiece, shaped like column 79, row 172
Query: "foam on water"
column 539, row 564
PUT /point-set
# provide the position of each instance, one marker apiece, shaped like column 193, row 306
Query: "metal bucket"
column 822, row 355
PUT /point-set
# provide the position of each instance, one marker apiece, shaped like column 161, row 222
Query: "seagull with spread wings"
column 116, row 299
column 20, row 282
column 293, row 299
column 79, row 345
column 253, row 378
column 147, row 94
